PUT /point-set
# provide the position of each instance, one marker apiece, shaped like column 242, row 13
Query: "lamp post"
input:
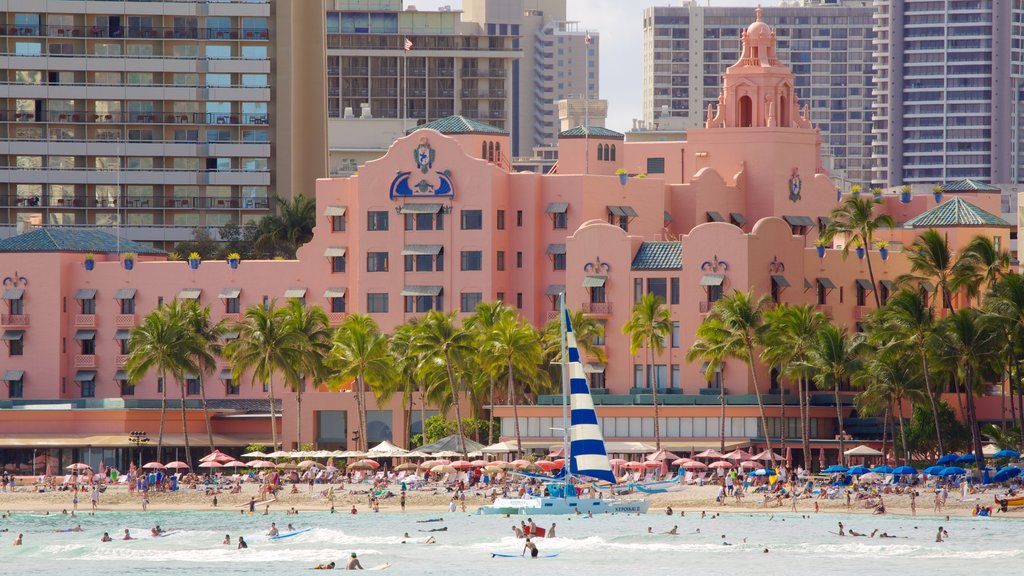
column 138, row 439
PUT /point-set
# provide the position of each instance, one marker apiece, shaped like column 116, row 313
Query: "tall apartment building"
column 829, row 49
column 557, row 63
column 950, row 87
column 157, row 116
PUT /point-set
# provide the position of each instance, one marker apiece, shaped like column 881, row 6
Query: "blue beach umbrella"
column 858, row 470
column 966, row 459
column 905, row 470
column 1006, row 454
column 934, row 470
column 833, row 469
column 882, row 469
column 952, row 471
column 763, row 472
column 1005, row 474
column 947, row 459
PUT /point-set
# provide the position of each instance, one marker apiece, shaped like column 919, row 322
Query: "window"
column 638, row 376
column 657, row 287
column 88, row 305
column 421, row 304
column 674, row 291
column 15, row 389
column 862, row 293
column 655, row 165
column 377, row 303
column 472, row 220
column 883, row 291
column 337, row 264
column 519, row 300
column 127, row 388
column 376, row 261
column 377, row 220
column 424, row 221
column 500, row 297
column 472, row 260
column 88, row 389
column 597, row 295
column 675, row 377
column 337, row 223
column 519, row 218
column 675, row 334
column 558, row 261
column 424, row 262
column 500, row 261
column 469, row 300
column 192, row 386
column 128, row 305
column 232, row 306
column 822, row 294
column 159, row 385
column 519, row 259
column 89, row 345
column 638, row 290
column 560, row 220
column 122, row 346
column 500, row 220
column 714, row 293
column 16, row 347
column 231, row 387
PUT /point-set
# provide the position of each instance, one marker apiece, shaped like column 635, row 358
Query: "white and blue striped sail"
column 588, row 456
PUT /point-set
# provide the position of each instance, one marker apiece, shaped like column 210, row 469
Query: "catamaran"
column 584, row 449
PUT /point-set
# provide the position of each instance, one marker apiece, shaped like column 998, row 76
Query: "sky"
column 620, row 23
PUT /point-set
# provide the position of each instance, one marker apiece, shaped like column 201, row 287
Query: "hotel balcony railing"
column 85, row 320
column 143, row 202
column 825, row 309
column 174, row 33
column 85, row 361
column 14, row 320
column 223, row 119
column 336, row 318
column 602, row 308
column 124, row 320
column 706, row 306
column 120, row 360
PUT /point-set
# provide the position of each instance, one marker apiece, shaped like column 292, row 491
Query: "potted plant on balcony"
column 883, row 249
column 858, row 245
column 905, row 194
column 820, row 245
column 194, row 259
column 90, row 261
column 937, row 192
column 855, row 190
column 877, row 192
column 233, row 259
column 623, row 175
column 129, row 260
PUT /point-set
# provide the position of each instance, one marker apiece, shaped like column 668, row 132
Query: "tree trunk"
column 490, row 411
column 903, row 434
column 298, row 416
column 931, row 398
column 408, row 416
column 842, row 431
column 805, row 433
column 782, row 416
column 760, row 403
column 273, row 413
column 973, row 417
column 455, row 399
column 361, row 408
column 163, row 416
column 184, row 426
column 721, row 420
column 885, row 426
column 515, row 412
column 423, row 412
column 871, row 275
column 654, row 391
column 206, row 413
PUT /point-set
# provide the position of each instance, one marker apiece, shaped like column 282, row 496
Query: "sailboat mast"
column 566, row 466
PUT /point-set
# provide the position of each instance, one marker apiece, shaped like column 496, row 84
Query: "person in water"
column 273, row 530
column 353, row 563
column 106, row 538
column 551, row 531
column 674, row 531
column 17, row 541
column 227, row 539
column 531, row 547
column 127, row 535
column 241, row 543
column 327, row 566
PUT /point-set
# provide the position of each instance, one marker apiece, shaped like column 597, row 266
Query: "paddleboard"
column 166, row 534
column 501, row 555
column 260, row 503
column 430, row 520
column 289, row 534
column 383, row 566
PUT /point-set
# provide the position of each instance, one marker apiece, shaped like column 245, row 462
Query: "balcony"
column 825, row 309
column 336, row 318
column 85, row 361
column 120, row 360
column 706, row 306
column 13, row 320
column 124, row 320
column 85, row 320
column 861, row 312
column 598, row 308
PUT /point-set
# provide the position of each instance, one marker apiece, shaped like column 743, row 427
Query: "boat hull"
column 550, row 506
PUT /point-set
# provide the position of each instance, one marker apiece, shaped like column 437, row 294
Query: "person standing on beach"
column 841, row 531
column 74, row 500
column 913, row 502
column 95, row 498
column 401, row 501
column 938, row 501
column 551, row 531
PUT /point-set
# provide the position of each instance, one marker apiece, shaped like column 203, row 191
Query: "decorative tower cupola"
column 757, row 91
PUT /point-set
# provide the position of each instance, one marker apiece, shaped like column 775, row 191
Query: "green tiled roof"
column 458, row 125
column 955, row 212
column 968, row 185
column 659, row 256
column 590, row 131
column 57, row 239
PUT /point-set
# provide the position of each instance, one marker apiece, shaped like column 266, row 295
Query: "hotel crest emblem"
column 14, row 281
column 794, row 186
column 597, row 267
column 431, row 183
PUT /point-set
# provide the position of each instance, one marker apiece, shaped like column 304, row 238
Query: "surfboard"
column 503, row 555
column 260, row 503
column 166, row 534
column 289, row 534
column 383, row 566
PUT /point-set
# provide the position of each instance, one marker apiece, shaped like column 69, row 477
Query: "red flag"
column 588, row 38
column 408, row 45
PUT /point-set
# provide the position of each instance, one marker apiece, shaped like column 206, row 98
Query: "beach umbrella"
column 934, row 470
column 234, row 464
column 952, row 471
column 545, row 465
column 680, row 461
column 521, row 463
column 710, row 453
column 835, row 469
column 371, row 463
column 739, row 455
column 967, row 459
column 153, row 466
column 443, row 469
column 858, row 470
column 721, row 464
column 211, row 464
column 417, row 454
column 767, row 455
column 650, row 464
column 694, row 465
column 904, row 470
column 480, row 463
column 557, row 453
column 882, row 469
column 461, row 464
column 254, row 454
column 407, row 466
column 750, row 465
column 360, row 465
column 216, row 456
column 493, row 469
column 307, row 463
column 1006, row 454
column 79, row 466
column 287, row 466
column 947, row 459
column 1007, row 473
column 279, row 454
column 869, row 477
column 660, row 456
column 616, row 462
column 763, row 472
column 560, row 463
column 633, row 465
column 177, row 465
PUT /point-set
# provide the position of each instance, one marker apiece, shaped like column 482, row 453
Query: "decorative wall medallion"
column 424, row 156
column 794, row 186
column 433, row 184
column 597, row 267
column 714, row 265
column 15, row 280
column 776, row 266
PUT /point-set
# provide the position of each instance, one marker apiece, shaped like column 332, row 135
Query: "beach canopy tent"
column 862, row 450
column 386, row 450
column 451, row 444
column 991, row 450
column 506, row 447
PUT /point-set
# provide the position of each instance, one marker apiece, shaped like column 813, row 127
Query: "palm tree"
column 359, row 353
column 210, row 333
column 283, row 233
column 889, row 381
column 161, row 343
column 931, row 259
column 407, row 366
column 589, row 339
column 834, row 357
column 742, row 317
column 516, row 347
column 712, row 345
column 790, row 334
column 1006, row 307
column 310, row 324
column 910, row 321
column 855, row 219
column 649, row 327
column 441, row 340
column 482, row 324
column 267, row 344
column 981, row 265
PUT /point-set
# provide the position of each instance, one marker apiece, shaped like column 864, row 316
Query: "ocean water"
column 599, row 545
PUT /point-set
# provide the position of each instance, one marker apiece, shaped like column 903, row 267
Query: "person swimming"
column 327, row 566
column 674, row 531
column 241, row 543
column 127, row 535
column 273, row 529
column 353, row 563
column 227, row 539
column 106, row 538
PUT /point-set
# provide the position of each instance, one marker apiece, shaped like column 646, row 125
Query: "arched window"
column 600, row 152
column 483, row 150
column 497, row 151
column 746, row 119
column 613, row 153
column 490, row 151
column 784, row 112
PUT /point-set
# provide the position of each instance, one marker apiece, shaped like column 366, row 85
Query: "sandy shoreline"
column 692, row 499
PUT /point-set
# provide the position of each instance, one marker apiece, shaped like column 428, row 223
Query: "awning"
column 826, row 283
column 120, row 375
column 422, row 290
column 715, row 217
column 824, row 221
column 334, row 293
column 335, row 252
column 555, row 249
column 626, row 211
column 738, row 218
column 804, row 221
column 420, row 209
column 335, row 211
column 85, row 294
column 593, row 368
column 13, row 375
column 554, row 289
column 594, row 281
column 85, row 376
column 13, row 294
column 85, row 335
column 889, row 285
column 780, row 281
column 225, row 374
column 928, row 286
column 231, row 335
column 229, row 293
column 807, row 285
column 294, row 293
column 124, row 294
column 10, row 335
column 190, row 293
column 557, row 208
column 122, row 334
column 865, row 285
column 712, row 279
column 422, row 250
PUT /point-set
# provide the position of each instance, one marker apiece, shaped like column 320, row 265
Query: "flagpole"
column 566, row 456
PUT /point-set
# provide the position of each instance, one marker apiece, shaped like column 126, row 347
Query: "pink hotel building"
column 441, row 223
